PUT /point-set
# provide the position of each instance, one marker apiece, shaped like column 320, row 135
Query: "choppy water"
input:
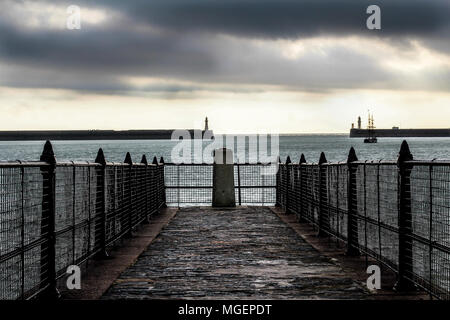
column 335, row 147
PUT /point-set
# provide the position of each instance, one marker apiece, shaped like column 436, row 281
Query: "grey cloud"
column 117, row 48
column 188, row 45
column 97, row 60
column 289, row 18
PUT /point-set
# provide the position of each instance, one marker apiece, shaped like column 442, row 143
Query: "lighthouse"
column 207, row 133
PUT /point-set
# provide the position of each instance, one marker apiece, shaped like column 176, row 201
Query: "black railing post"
column 22, row 231
column 352, row 205
column 239, row 183
column 155, row 182
column 287, row 185
column 278, row 184
column 324, row 219
column 302, row 177
column 48, row 227
column 100, row 205
column 146, row 206
column 163, row 185
column 129, row 195
column 405, row 224
column 295, row 199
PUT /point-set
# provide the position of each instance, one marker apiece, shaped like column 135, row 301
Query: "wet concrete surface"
column 240, row 253
column 99, row 274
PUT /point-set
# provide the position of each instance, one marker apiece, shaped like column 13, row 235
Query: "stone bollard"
column 223, row 179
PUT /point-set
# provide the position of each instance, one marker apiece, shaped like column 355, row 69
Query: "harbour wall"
column 363, row 133
column 38, row 135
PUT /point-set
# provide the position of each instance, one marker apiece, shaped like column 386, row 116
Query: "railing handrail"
column 436, row 162
column 212, row 163
column 19, row 163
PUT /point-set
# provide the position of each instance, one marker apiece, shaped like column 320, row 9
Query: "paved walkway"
column 232, row 254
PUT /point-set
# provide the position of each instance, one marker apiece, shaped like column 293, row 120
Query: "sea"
column 335, row 147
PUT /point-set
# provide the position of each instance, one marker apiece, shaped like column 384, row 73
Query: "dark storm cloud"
column 188, row 44
column 97, row 60
column 114, row 49
column 288, row 18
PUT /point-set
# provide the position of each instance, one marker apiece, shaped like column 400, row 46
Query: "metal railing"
column 397, row 212
column 56, row 214
column 192, row 184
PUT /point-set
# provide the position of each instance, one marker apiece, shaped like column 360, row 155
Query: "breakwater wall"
column 431, row 133
column 43, row 135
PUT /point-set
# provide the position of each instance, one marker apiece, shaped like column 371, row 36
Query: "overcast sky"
column 249, row 65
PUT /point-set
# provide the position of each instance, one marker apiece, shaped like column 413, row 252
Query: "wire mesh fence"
column 192, row 184
column 396, row 212
column 54, row 214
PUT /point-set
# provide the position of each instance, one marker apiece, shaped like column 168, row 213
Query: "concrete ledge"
column 99, row 275
column 354, row 267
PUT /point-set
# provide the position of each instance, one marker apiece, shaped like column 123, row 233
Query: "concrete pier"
column 233, row 254
column 230, row 253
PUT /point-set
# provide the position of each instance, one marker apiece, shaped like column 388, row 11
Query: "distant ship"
column 371, row 131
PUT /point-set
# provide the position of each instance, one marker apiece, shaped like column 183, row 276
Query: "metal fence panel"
column 93, row 206
column 192, row 184
column 426, row 230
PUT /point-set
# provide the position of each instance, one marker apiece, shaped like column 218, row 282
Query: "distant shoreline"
column 113, row 135
column 39, row 135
